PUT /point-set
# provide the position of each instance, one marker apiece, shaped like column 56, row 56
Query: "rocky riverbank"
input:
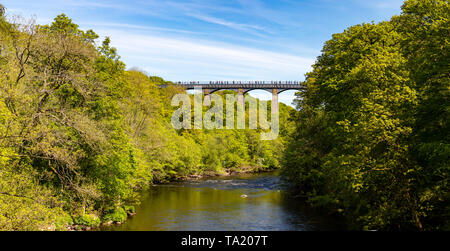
column 227, row 172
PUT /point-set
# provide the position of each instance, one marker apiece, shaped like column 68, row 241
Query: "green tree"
column 353, row 126
column 372, row 131
column 425, row 28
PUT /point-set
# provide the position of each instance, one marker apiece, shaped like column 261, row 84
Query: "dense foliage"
column 79, row 134
column 372, row 134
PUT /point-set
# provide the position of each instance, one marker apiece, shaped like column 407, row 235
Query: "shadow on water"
column 244, row 202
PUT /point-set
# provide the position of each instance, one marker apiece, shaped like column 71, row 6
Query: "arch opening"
column 261, row 94
column 287, row 96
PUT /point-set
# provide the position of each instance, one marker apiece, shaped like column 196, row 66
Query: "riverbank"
column 227, row 172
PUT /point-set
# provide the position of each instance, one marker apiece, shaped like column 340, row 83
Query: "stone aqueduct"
column 241, row 87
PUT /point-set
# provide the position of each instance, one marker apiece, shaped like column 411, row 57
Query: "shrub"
column 90, row 220
column 116, row 215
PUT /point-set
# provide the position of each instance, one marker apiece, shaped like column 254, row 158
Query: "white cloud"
column 126, row 26
column 236, row 26
column 180, row 59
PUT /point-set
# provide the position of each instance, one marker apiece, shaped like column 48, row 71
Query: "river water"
column 234, row 203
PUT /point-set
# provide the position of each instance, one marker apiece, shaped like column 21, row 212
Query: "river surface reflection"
column 245, row 202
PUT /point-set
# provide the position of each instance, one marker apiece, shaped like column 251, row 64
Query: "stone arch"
column 283, row 90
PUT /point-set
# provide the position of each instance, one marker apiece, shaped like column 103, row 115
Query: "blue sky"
column 215, row 39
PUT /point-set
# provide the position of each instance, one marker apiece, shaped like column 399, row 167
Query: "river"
column 234, row 203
